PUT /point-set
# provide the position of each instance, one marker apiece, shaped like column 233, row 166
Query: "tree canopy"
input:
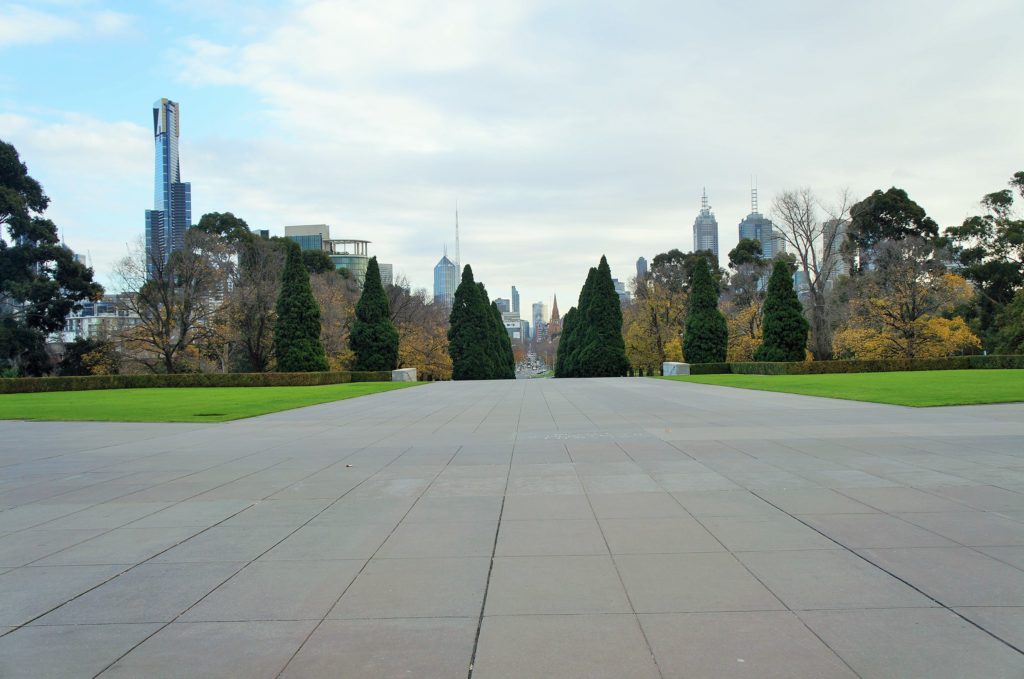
column 297, row 344
column 784, row 328
column 41, row 282
column 374, row 338
column 592, row 344
column 706, row 339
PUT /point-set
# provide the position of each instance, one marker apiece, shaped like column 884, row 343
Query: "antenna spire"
column 753, row 194
column 704, row 200
column 458, row 259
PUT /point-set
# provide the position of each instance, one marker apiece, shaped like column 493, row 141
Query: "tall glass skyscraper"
column 446, row 279
column 171, row 215
column 515, row 300
column 705, row 228
column 756, row 226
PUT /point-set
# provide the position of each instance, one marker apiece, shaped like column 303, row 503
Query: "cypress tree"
column 784, row 328
column 573, row 367
column 707, row 336
column 565, row 342
column 603, row 351
column 373, row 338
column 470, row 335
column 297, row 343
column 504, row 360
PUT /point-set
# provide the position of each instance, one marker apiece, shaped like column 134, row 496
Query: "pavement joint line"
column 344, row 591
column 748, row 570
column 164, row 626
column 218, row 585
column 893, row 575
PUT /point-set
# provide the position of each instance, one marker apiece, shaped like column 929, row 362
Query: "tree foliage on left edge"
column 373, row 338
column 40, row 281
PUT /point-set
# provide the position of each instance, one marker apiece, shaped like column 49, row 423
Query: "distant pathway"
column 530, row 528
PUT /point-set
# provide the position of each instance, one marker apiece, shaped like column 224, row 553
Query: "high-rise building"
column 171, row 215
column 620, row 290
column 446, row 279
column 756, row 226
column 387, row 274
column 641, row 267
column 835, row 231
column 540, row 314
column 705, row 228
column 503, row 305
column 515, row 299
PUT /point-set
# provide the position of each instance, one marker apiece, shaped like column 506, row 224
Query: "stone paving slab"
column 569, row 528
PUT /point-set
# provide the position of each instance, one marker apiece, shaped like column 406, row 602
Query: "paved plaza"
column 533, row 528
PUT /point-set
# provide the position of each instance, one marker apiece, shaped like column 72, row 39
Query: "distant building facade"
column 540, row 315
column 555, row 322
column 345, row 253
column 503, row 306
column 171, row 215
column 835, row 233
column 387, row 274
column 97, row 320
column 446, row 279
column 705, row 228
column 515, row 299
column 641, row 267
column 756, row 226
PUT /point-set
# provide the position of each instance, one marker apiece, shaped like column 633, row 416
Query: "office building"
column 756, row 226
column 620, row 290
column 345, row 253
column 503, row 305
column 835, row 231
column 446, row 280
column 539, row 315
column 705, row 228
column 641, row 267
column 387, row 274
column 171, row 215
column 515, row 299
column 96, row 320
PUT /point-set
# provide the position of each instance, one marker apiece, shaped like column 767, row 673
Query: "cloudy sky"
column 563, row 129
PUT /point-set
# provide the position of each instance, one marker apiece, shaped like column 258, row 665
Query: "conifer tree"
column 784, row 328
column 603, row 350
column 373, row 338
column 504, row 359
column 470, row 335
column 297, row 343
column 577, row 341
column 565, row 342
column 707, row 336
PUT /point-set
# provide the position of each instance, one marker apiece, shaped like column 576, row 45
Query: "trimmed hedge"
column 710, row 368
column 877, row 365
column 22, row 385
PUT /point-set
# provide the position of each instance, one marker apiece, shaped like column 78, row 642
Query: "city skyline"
column 171, row 215
column 560, row 140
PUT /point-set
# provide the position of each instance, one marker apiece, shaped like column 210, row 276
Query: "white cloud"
column 21, row 25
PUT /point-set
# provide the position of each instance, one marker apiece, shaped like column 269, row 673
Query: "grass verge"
column 917, row 389
column 190, row 404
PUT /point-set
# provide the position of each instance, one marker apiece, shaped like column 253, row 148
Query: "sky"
column 563, row 129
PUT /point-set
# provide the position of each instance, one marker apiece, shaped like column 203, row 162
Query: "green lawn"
column 190, row 404
column 918, row 389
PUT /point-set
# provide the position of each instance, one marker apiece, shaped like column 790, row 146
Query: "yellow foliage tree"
column 744, row 330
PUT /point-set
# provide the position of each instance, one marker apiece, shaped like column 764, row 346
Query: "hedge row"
column 20, row 385
column 864, row 366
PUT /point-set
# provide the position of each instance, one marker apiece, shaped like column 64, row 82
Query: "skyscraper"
column 540, row 314
column 756, row 226
column 446, row 279
column 515, row 299
column 502, row 304
column 705, row 228
column 171, row 215
column 641, row 267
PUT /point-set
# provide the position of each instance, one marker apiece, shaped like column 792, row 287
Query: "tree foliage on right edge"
column 784, row 327
column 477, row 350
column 373, row 338
column 297, row 344
column 591, row 344
column 706, row 339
